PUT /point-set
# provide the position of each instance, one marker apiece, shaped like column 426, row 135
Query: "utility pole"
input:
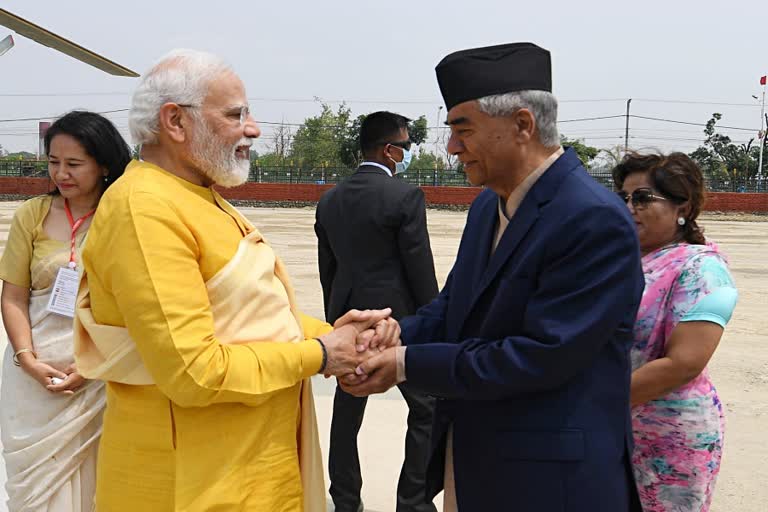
column 437, row 139
column 626, row 129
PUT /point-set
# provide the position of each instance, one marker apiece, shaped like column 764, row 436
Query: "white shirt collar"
column 376, row 164
column 508, row 210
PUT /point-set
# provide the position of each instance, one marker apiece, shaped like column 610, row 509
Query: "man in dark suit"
column 373, row 249
column 527, row 345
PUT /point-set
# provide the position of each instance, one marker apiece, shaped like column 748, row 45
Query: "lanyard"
column 74, row 225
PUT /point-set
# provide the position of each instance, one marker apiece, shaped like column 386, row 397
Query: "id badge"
column 64, row 295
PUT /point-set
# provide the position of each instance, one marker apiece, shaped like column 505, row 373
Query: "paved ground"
column 740, row 367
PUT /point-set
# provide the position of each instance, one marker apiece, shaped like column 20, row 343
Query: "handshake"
column 360, row 345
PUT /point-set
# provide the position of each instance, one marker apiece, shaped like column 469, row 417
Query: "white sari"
column 50, row 441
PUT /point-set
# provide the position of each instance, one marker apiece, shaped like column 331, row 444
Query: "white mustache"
column 245, row 141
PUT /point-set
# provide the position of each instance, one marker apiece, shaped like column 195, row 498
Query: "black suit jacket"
column 373, row 245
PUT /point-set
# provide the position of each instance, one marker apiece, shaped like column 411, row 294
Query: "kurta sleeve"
column 17, row 256
column 149, row 262
column 313, row 327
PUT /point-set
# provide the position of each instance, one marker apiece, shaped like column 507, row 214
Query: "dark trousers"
column 344, row 461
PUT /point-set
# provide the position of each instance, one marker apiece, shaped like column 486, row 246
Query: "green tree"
column 317, row 142
column 417, row 130
column 349, row 147
column 331, row 138
column 426, row 160
column 719, row 158
column 21, row 155
column 270, row 159
column 585, row 153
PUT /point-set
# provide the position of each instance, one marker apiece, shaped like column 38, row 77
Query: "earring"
column 106, row 179
column 681, row 221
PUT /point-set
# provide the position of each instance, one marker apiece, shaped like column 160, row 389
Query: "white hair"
column 181, row 76
column 542, row 104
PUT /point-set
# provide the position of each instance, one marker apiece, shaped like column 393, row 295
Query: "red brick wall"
column 451, row 195
column 25, row 186
column 312, row 193
column 716, row 201
column 736, row 202
column 276, row 192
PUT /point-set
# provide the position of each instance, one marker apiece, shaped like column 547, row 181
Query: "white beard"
column 218, row 161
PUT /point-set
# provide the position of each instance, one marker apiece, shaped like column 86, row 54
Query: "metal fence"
column 421, row 177
column 454, row 178
column 333, row 175
column 713, row 185
column 29, row 168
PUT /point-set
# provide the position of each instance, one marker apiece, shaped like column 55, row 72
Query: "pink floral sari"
column 679, row 437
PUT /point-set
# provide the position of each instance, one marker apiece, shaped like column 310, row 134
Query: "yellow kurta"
column 218, row 431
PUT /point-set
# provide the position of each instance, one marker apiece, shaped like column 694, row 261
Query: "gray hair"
column 542, row 104
column 181, row 76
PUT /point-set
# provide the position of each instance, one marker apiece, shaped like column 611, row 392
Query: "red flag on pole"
column 762, row 80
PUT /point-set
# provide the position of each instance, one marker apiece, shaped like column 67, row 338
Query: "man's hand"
column 362, row 319
column 376, row 375
column 387, row 334
column 344, row 355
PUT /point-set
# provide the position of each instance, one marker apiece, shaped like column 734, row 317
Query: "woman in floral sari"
column 689, row 297
column 50, row 417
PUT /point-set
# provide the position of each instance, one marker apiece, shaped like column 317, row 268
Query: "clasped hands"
column 69, row 379
column 362, row 351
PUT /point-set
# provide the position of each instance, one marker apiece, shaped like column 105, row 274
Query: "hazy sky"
column 381, row 55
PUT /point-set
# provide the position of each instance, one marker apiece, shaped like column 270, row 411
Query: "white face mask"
column 216, row 159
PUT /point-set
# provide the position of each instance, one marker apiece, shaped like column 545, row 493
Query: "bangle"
column 325, row 355
column 22, row 351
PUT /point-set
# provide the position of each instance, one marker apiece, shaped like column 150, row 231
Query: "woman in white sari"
column 50, row 417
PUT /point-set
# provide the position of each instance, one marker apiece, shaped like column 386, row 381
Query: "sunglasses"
column 640, row 197
column 405, row 144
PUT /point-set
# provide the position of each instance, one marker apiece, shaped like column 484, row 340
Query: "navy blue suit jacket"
column 527, row 351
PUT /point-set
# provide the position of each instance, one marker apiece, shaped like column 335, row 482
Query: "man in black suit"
column 373, row 251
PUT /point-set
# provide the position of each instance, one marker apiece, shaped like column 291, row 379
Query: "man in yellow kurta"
column 188, row 315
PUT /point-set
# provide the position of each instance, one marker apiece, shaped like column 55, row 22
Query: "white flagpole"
column 762, row 142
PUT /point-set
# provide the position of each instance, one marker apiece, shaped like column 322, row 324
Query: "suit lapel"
column 477, row 243
column 522, row 222
column 483, row 240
